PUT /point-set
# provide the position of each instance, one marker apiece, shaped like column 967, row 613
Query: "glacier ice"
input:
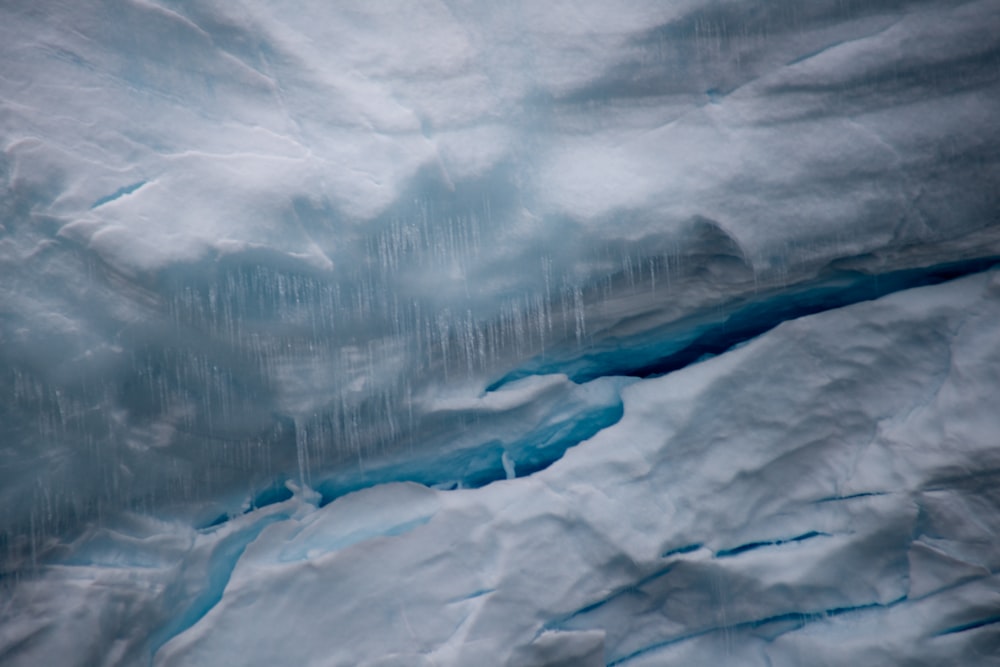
column 810, row 491
column 529, row 334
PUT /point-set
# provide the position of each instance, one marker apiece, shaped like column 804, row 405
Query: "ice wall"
column 825, row 495
column 352, row 243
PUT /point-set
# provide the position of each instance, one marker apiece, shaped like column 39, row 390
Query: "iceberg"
column 443, row 333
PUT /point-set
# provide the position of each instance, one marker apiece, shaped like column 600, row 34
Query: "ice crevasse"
column 823, row 495
column 459, row 333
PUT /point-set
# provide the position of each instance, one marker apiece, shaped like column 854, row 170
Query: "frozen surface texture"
column 306, row 311
column 825, row 495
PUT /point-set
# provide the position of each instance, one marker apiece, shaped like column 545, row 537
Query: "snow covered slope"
column 283, row 289
column 825, row 495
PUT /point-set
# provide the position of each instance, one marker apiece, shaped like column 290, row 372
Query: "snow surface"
column 825, row 495
column 305, row 312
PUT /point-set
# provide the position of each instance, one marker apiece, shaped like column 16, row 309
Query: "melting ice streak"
column 476, row 333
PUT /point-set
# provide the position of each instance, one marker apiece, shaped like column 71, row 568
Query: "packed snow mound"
column 825, row 495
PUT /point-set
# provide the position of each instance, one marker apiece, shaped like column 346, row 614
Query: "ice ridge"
column 682, row 343
column 481, row 464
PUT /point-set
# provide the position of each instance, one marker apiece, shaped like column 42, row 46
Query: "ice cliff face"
column 452, row 333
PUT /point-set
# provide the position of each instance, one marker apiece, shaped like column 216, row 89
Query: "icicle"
column 581, row 329
column 508, row 465
column 302, row 452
